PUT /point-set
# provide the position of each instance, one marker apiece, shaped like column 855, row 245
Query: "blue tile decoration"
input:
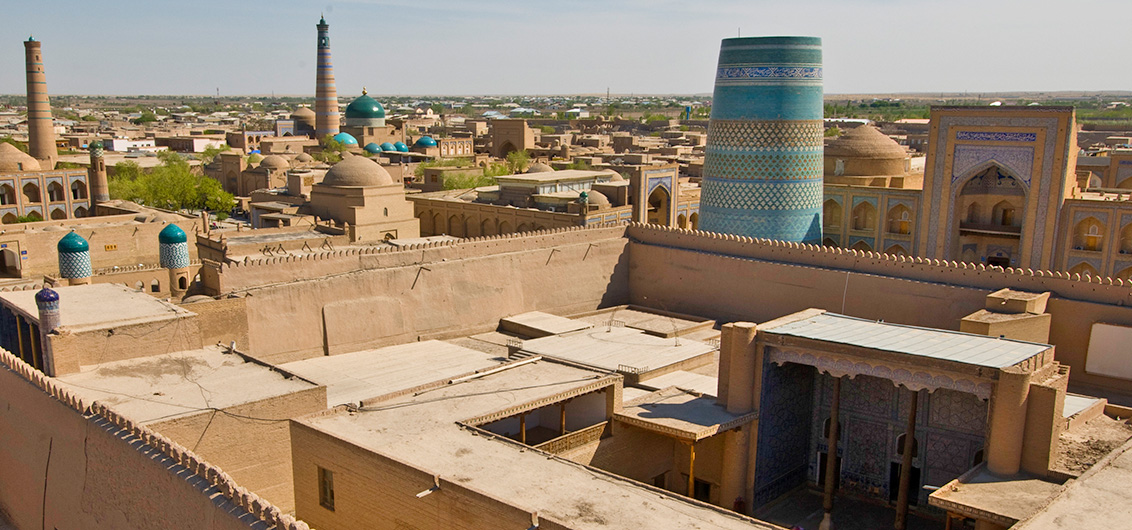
column 979, row 136
column 75, row 265
column 785, row 409
column 763, row 160
column 174, row 256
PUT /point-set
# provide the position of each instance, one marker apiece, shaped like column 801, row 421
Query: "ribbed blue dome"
column 372, row 148
column 172, row 234
column 388, row 147
column 425, row 141
column 345, row 139
column 401, row 147
column 46, row 295
column 73, row 242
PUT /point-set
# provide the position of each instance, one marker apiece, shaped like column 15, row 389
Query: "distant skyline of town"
column 539, row 48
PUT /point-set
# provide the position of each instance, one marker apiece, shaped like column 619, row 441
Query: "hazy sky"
column 559, row 47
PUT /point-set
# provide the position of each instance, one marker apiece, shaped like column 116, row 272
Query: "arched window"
column 1088, row 235
column 1005, row 214
column 694, row 220
column 899, row 220
column 831, row 214
column 973, row 213
column 55, row 192
column 1084, row 269
column 58, row 214
column 7, row 195
column 900, row 445
column 78, row 190
column 155, row 286
column 864, row 217
column 861, row 246
column 31, row 193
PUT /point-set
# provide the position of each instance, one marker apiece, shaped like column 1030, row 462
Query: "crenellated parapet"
column 1064, row 284
column 252, row 272
column 130, row 432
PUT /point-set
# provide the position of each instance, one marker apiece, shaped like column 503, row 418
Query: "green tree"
column 255, row 158
column 517, row 161
column 211, row 152
column 832, row 132
column 146, row 117
column 172, row 184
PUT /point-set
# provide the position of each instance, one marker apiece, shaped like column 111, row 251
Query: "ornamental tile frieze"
column 914, row 380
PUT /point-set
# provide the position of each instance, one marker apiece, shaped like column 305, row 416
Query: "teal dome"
column 365, row 108
column 388, row 147
column 172, row 234
column 345, row 139
column 373, row 148
column 73, row 242
column 425, row 141
column 97, row 144
column 401, row 147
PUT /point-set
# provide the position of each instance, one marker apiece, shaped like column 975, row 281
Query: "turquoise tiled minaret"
column 74, row 259
column 763, row 160
column 174, row 249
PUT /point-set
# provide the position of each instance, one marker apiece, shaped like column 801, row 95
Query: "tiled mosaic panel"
column 174, row 255
column 782, row 135
column 75, row 265
column 784, row 430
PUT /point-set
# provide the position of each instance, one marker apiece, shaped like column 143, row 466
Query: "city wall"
column 68, row 463
column 358, row 298
column 733, row 278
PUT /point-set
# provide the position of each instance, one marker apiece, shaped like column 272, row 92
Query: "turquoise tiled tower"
column 763, row 160
column 173, row 247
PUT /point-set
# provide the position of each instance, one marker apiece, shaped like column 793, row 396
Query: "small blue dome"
column 372, row 148
column 345, row 139
column 425, row 141
column 388, row 147
column 73, row 242
column 401, row 147
column 172, row 234
column 46, row 295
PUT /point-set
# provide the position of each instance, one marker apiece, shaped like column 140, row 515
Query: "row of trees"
column 171, row 185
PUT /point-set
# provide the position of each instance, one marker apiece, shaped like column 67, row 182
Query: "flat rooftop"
column 1098, row 499
column 420, row 430
column 611, row 348
column 980, row 491
column 944, row 345
column 166, row 386
column 98, row 306
column 352, row 377
column 539, row 324
column 552, row 176
column 679, row 414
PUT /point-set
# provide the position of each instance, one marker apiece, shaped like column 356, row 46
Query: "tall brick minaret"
column 41, row 130
column 326, row 118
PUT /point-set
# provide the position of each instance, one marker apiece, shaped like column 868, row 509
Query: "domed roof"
column 73, row 242
column 357, row 171
column 597, row 198
column 45, row 295
column 303, row 113
column 425, row 141
column 865, row 141
column 97, row 144
column 274, row 162
column 365, row 108
column 401, row 147
column 388, row 147
column 372, row 147
column 12, row 159
column 304, row 157
column 171, row 235
column 539, row 167
column 345, row 139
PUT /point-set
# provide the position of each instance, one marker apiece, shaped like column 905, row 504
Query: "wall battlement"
column 222, row 278
column 1074, row 286
column 268, row 515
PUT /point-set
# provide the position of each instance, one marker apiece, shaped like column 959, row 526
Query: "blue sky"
column 545, row 47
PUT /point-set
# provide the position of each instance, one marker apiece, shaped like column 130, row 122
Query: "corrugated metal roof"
column 935, row 343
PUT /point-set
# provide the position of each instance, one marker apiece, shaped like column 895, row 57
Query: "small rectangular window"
column 326, row 488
